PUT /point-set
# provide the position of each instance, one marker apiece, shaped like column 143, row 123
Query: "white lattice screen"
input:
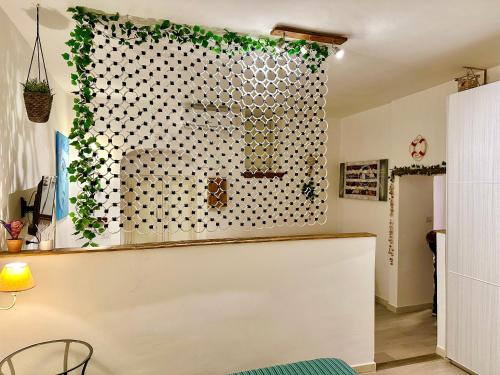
column 172, row 119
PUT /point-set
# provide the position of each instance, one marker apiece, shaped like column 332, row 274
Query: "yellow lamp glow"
column 15, row 277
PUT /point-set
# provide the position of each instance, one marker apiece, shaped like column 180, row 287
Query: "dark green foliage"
column 34, row 85
column 309, row 190
column 84, row 169
column 415, row 169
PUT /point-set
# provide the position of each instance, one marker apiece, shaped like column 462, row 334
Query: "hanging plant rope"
column 37, row 92
column 84, row 169
column 39, row 51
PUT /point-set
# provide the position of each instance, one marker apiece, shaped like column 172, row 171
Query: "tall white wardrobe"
column 473, row 229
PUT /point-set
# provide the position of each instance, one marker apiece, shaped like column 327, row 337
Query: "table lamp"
column 15, row 277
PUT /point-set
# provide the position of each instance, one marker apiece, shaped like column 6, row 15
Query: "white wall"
column 439, row 196
column 415, row 279
column 203, row 310
column 364, row 137
column 386, row 132
column 27, row 150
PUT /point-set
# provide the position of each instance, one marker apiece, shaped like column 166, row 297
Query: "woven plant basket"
column 38, row 106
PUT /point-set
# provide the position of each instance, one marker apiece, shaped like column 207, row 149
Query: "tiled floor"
column 401, row 336
column 437, row 367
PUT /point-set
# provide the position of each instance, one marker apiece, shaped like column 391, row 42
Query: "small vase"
column 14, row 246
column 46, row 245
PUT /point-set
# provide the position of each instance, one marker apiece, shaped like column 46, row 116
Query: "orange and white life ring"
column 418, row 148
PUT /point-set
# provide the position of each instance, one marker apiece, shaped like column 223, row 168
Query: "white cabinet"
column 473, row 229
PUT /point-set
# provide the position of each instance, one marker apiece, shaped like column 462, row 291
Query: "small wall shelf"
column 258, row 174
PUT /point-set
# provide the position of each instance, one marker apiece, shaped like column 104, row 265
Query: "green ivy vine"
column 417, row 169
column 84, row 169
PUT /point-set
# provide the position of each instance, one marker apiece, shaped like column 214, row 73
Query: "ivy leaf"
column 165, row 24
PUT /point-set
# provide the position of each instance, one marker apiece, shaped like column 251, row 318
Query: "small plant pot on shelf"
column 38, row 106
column 14, row 246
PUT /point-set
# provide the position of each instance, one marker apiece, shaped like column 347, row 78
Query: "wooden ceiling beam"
column 312, row 36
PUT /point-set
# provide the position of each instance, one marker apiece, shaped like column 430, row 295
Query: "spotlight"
column 339, row 54
column 280, row 45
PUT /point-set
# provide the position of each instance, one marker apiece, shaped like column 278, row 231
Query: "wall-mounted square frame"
column 367, row 180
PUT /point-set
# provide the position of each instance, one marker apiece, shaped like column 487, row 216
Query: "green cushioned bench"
column 322, row 366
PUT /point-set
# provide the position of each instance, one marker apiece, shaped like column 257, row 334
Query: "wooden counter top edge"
column 176, row 244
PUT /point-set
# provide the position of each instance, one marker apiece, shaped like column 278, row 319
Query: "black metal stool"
column 8, row 364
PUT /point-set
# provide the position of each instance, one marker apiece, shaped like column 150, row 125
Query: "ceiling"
column 395, row 47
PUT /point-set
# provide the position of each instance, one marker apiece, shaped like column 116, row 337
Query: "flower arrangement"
column 14, row 228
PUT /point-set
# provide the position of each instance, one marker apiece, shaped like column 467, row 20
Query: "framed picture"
column 62, row 182
column 364, row 180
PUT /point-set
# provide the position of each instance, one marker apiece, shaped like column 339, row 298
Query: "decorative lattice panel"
column 172, row 119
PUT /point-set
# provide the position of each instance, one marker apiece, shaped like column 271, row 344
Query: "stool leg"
column 66, row 354
column 84, row 367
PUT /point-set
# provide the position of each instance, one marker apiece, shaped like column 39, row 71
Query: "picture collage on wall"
column 364, row 180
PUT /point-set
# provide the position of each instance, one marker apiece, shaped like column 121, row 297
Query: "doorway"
column 406, row 326
column 159, row 205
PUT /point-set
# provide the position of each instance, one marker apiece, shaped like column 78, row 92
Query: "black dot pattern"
column 169, row 118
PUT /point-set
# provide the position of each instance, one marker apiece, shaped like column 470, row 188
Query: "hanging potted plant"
column 14, row 244
column 37, row 92
column 37, row 99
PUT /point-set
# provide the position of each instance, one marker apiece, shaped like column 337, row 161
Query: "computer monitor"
column 43, row 207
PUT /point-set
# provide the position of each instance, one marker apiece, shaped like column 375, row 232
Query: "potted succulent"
column 37, row 99
column 14, row 244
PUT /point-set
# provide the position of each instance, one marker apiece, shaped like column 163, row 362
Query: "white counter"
column 210, row 309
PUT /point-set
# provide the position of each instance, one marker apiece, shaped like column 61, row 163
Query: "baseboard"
column 386, row 304
column 440, row 351
column 462, row 367
column 413, row 308
column 382, row 301
column 366, row 368
column 402, row 309
column 407, row 361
